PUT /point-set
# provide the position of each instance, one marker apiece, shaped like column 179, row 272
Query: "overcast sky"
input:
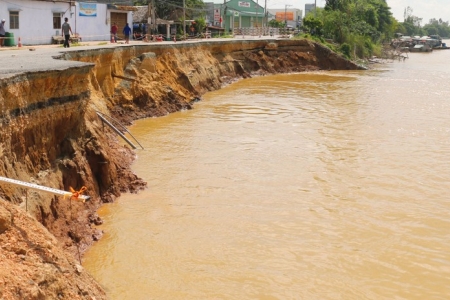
column 425, row 9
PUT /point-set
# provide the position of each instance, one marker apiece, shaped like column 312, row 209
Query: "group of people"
column 126, row 32
column 153, row 38
column 66, row 31
column 2, row 32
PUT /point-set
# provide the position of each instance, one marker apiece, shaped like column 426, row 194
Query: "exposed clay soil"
column 40, row 249
column 34, row 266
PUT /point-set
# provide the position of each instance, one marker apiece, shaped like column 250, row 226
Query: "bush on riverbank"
column 359, row 30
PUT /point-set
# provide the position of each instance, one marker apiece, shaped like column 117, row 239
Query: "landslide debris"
column 34, row 266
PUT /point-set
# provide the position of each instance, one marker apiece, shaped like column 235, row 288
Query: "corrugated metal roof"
column 121, row 7
column 140, row 15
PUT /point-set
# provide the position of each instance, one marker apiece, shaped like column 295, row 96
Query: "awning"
column 236, row 13
column 121, row 7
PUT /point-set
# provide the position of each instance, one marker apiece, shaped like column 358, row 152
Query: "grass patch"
column 74, row 45
column 224, row 36
column 78, row 44
column 320, row 40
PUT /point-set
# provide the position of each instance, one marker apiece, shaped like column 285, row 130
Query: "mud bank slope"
column 51, row 133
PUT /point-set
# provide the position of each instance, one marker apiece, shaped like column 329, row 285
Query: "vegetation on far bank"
column 361, row 27
column 355, row 28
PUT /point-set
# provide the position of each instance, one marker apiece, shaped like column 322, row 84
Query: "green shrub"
column 345, row 49
column 361, row 46
column 223, row 36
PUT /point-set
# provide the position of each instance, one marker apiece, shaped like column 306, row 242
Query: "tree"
column 313, row 24
column 174, row 9
column 369, row 18
column 407, row 13
column 438, row 27
column 276, row 24
column 412, row 23
column 431, row 29
column 340, row 5
column 360, row 24
column 335, row 26
column 200, row 24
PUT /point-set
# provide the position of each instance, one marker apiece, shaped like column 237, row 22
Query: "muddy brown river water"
column 325, row 185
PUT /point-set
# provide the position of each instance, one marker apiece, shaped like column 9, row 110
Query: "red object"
column 220, row 19
column 20, row 43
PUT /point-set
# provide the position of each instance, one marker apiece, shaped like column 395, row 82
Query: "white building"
column 309, row 8
column 292, row 16
column 36, row 21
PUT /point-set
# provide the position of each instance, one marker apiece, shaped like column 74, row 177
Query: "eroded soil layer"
column 51, row 135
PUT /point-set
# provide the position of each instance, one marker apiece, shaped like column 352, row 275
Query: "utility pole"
column 184, row 19
column 262, row 19
column 224, row 16
column 315, row 8
column 256, row 12
column 149, row 18
column 285, row 15
column 152, row 15
column 265, row 14
column 155, row 25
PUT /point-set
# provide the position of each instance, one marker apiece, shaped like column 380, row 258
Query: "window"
column 14, row 20
column 56, row 20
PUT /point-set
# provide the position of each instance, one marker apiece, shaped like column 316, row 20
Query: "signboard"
column 282, row 16
column 88, row 9
column 216, row 15
column 243, row 4
column 236, row 13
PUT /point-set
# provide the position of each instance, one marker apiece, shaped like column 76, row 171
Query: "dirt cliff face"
column 148, row 81
column 34, row 266
column 51, row 134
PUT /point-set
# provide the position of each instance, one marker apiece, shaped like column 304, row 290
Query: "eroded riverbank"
column 51, row 134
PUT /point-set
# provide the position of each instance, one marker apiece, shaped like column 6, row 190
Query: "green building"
column 236, row 14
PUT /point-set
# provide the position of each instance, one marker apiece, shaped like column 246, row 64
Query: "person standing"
column 66, row 31
column 114, row 33
column 127, row 33
column 2, row 32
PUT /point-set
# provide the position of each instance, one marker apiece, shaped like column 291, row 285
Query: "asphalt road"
column 18, row 60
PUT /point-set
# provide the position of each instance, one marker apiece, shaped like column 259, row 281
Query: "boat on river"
column 439, row 45
column 419, row 43
column 443, row 46
column 426, row 43
column 421, row 46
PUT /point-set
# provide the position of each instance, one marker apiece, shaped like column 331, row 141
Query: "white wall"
column 36, row 21
column 97, row 28
column 91, row 28
column 297, row 14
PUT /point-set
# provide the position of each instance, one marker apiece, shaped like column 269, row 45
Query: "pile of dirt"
column 33, row 264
